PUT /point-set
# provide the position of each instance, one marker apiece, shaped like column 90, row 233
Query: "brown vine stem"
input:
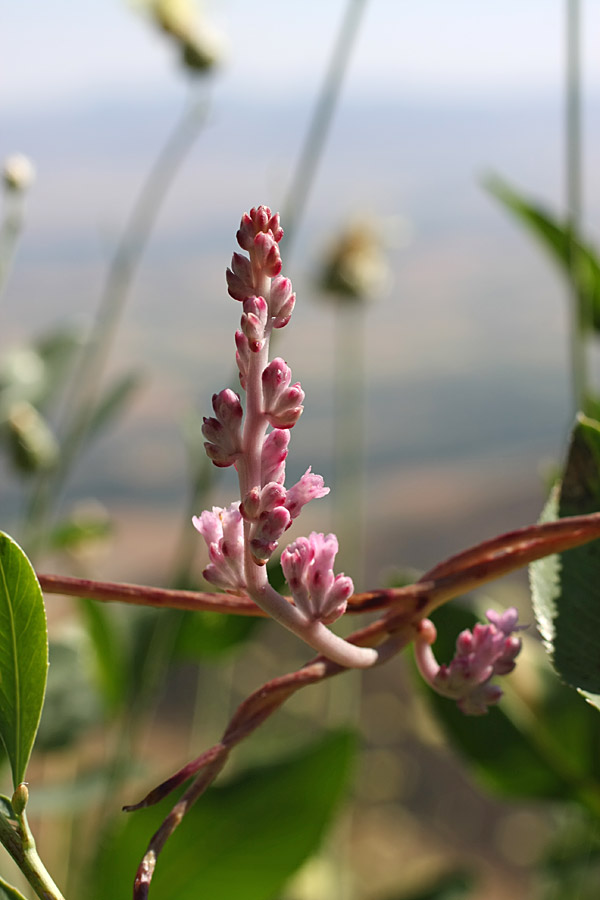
column 391, row 633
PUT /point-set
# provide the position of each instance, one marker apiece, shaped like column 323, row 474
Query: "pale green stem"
column 20, row 844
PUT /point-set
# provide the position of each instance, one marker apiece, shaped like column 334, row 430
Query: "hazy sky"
column 60, row 51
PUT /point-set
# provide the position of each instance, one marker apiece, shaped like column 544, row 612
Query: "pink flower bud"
column 259, row 219
column 254, row 321
column 239, row 278
column 282, row 301
column 222, row 529
column 308, row 568
column 486, row 651
column 274, row 454
column 242, row 356
column 310, row 487
column 267, row 531
column 223, row 434
column 265, row 254
column 283, row 403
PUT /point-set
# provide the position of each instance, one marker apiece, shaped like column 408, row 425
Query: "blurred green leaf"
column 72, row 703
column 207, row 635
column 79, row 530
column 552, row 753
column 242, row 839
column 113, row 403
column 452, row 886
column 556, row 237
column 566, row 587
column 57, row 350
column 108, row 642
column 23, row 655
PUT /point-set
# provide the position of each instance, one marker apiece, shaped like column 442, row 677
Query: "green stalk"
column 20, row 844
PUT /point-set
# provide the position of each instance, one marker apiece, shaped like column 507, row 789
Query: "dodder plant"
column 241, row 539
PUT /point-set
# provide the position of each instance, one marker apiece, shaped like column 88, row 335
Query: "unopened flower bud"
column 254, row 321
column 283, row 402
column 308, row 568
column 19, row 798
column 274, row 454
column 282, row 301
column 239, row 278
column 242, row 356
column 265, row 253
column 222, row 529
column 259, row 219
column 223, row 433
column 267, row 531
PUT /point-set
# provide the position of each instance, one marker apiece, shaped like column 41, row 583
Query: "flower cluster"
column 486, row 651
column 241, row 538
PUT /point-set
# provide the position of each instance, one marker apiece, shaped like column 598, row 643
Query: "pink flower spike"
column 308, row 568
column 310, row 487
column 222, row 529
column 486, row 651
column 223, row 433
column 274, row 454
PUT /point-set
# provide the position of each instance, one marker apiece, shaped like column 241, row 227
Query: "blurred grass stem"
column 122, row 268
column 581, row 313
column 303, row 178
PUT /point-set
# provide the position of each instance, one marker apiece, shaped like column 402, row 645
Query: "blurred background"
column 437, row 372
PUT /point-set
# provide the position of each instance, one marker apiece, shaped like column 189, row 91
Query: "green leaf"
column 566, row 587
column 113, row 403
column 23, row 655
column 556, row 237
column 8, row 892
column 72, row 703
column 108, row 642
column 208, row 635
column 551, row 752
column 242, row 839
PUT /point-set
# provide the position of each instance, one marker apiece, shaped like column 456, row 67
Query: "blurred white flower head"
column 18, row 172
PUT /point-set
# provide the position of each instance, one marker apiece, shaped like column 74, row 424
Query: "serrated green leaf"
column 242, row 839
column 555, row 236
column 23, row 655
column 566, row 587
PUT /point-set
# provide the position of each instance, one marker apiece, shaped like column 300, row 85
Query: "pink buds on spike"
column 283, row 402
column 223, row 432
column 308, row 568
